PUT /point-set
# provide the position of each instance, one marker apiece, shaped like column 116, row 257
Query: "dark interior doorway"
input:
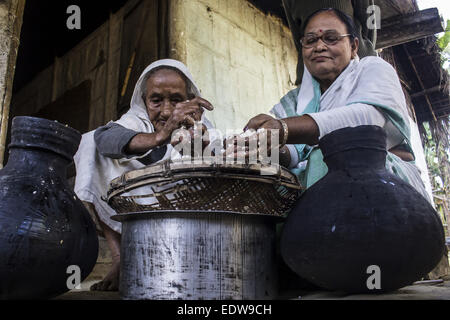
column 45, row 35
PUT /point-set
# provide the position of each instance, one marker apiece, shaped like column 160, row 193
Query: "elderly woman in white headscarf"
column 164, row 100
column 339, row 90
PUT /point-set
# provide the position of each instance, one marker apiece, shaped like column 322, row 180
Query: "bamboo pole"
column 11, row 15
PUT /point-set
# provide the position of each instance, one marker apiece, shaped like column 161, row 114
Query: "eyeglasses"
column 329, row 37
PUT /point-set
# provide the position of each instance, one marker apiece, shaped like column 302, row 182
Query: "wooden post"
column 11, row 15
column 113, row 64
column 176, row 30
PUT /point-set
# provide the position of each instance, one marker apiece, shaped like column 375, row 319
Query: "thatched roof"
column 427, row 82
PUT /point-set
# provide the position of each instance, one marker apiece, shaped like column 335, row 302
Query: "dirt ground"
column 420, row 291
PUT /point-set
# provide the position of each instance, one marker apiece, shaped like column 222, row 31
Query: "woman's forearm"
column 144, row 142
column 348, row 116
column 302, row 130
column 112, row 139
column 402, row 154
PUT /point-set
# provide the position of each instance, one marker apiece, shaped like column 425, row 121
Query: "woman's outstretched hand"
column 264, row 121
column 269, row 126
column 301, row 129
column 256, row 141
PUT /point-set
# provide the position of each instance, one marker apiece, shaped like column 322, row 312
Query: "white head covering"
column 137, row 117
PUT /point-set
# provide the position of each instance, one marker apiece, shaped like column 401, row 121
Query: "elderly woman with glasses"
column 339, row 90
column 297, row 13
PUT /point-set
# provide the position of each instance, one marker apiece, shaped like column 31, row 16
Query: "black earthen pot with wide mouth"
column 46, row 234
column 361, row 219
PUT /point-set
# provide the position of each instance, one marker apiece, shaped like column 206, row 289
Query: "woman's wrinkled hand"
column 185, row 115
column 196, row 137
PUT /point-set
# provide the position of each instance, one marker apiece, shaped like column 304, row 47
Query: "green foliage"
column 445, row 39
column 443, row 43
column 435, row 136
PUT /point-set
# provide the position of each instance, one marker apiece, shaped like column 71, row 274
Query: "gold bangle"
column 285, row 132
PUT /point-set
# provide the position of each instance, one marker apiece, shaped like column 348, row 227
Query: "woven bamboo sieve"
column 210, row 187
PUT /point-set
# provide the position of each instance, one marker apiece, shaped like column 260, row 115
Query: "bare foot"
column 111, row 280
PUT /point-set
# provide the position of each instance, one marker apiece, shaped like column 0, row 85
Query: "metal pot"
column 192, row 255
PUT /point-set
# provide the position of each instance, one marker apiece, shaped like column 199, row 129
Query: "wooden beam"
column 421, row 83
column 406, row 28
column 442, row 101
column 427, row 91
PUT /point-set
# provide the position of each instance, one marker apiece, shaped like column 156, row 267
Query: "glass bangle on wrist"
column 285, row 132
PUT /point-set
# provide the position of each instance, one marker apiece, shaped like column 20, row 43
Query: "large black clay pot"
column 44, row 227
column 359, row 215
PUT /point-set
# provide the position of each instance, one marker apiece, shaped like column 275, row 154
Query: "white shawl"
column 370, row 81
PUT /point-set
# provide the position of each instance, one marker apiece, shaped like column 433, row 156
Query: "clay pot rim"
column 69, row 130
column 368, row 137
column 43, row 134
